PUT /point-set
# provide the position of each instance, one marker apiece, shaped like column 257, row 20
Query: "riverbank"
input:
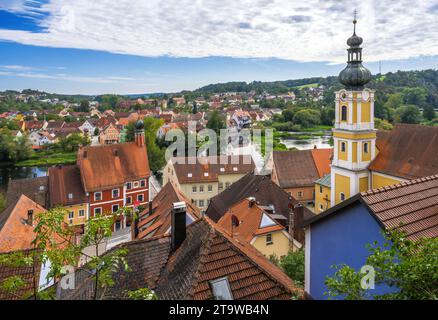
column 48, row 158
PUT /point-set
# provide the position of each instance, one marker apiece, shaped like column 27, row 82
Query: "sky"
column 146, row 46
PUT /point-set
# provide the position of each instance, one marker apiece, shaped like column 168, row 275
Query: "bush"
column 293, row 266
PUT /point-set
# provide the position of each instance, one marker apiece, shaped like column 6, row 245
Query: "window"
column 221, row 289
column 343, row 146
column 269, row 240
column 195, row 202
column 81, row 212
column 189, row 175
column 143, row 183
column 221, row 185
column 194, row 189
column 140, row 197
column 201, row 203
column 320, row 189
column 115, row 208
column 70, row 196
column 300, row 194
column 201, row 188
column 210, row 188
column 98, row 196
column 205, row 174
column 342, row 196
column 365, row 147
column 135, row 184
column 115, row 193
column 41, row 188
column 235, row 169
column 222, row 169
column 71, row 215
column 129, row 185
column 118, row 225
column 343, row 113
column 97, row 211
column 227, row 184
column 128, row 200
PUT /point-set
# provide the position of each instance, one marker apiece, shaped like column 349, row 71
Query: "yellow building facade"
column 276, row 243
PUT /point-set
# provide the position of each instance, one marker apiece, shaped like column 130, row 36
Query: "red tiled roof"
column 409, row 206
column 106, row 166
column 208, row 253
column 65, row 186
column 161, row 212
column 214, row 166
column 295, row 168
column 15, row 233
column 249, row 218
column 322, row 160
column 407, row 151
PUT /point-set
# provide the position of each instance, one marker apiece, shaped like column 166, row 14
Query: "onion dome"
column 355, row 75
column 139, row 126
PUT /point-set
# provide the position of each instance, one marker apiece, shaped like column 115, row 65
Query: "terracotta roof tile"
column 106, row 166
column 34, row 188
column 410, row 206
column 322, row 160
column 65, row 186
column 408, row 151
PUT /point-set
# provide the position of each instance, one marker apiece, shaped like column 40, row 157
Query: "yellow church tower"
column 354, row 135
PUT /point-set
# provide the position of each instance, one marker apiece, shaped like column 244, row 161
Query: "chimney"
column 297, row 219
column 315, row 147
column 251, row 201
column 30, row 217
column 178, row 228
column 150, row 207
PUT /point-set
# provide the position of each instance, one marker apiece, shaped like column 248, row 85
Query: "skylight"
column 266, row 221
column 221, row 289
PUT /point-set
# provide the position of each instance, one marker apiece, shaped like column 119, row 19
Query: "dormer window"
column 189, row 175
column 70, row 196
column 205, row 174
column 235, row 169
column 222, row 169
column 41, row 188
column 221, row 289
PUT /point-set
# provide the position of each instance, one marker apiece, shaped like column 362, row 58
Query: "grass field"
column 48, row 158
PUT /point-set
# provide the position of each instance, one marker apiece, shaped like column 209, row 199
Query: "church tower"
column 354, row 134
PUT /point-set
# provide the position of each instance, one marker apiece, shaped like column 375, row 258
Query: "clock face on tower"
column 365, row 95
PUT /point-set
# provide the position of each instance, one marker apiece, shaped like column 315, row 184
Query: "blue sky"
column 100, row 46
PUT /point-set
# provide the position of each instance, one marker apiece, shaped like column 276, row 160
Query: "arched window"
column 343, row 146
column 343, row 113
column 365, row 147
column 342, row 196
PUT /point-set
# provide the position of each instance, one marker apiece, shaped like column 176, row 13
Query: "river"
column 322, row 141
column 10, row 172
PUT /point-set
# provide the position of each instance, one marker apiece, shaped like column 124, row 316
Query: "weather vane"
column 355, row 20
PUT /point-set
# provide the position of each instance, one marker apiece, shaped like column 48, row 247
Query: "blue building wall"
column 341, row 239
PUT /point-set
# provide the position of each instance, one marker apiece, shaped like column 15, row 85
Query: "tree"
column 428, row 112
column 155, row 152
column 293, row 266
column 72, row 142
column 216, row 122
column 408, row 267
column 416, row 96
column 307, row 117
column 13, row 149
column 2, row 202
column 84, row 106
column 382, row 124
column 407, row 114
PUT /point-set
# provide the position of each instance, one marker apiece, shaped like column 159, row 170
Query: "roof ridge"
column 399, row 185
column 403, row 195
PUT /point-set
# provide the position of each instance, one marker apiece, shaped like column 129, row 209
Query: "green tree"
column 409, row 267
column 72, row 142
column 216, row 122
column 307, row 118
column 416, row 96
column 408, row 114
column 428, row 112
column 382, row 124
column 156, row 154
column 2, row 202
column 293, row 265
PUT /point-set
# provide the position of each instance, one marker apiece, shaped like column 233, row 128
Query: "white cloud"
column 314, row 30
column 18, row 67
